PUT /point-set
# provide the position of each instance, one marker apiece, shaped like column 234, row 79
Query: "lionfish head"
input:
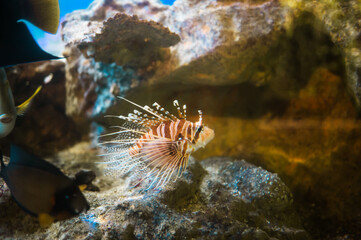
column 202, row 137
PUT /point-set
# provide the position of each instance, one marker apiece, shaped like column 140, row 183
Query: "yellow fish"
column 8, row 110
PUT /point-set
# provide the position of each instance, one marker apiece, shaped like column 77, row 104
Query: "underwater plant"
column 154, row 144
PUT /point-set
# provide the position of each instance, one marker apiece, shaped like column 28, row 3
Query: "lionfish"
column 154, row 144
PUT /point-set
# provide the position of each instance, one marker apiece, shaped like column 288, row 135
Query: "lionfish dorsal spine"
column 166, row 113
column 145, row 108
column 182, row 115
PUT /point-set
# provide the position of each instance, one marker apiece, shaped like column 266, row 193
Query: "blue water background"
column 52, row 43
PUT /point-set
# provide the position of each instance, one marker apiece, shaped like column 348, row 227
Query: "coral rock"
column 219, row 198
column 129, row 41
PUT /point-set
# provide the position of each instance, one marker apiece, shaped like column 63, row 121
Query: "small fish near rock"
column 154, row 145
column 40, row 188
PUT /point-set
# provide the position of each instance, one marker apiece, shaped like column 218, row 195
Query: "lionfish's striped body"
column 174, row 130
column 156, row 147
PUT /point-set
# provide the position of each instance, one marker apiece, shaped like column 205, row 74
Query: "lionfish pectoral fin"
column 162, row 163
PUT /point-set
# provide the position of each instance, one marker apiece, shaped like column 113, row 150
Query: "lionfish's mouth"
column 209, row 135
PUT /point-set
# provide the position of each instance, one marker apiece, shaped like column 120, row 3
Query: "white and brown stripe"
column 178, row 131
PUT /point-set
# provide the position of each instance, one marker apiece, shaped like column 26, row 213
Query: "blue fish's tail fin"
column 17, row 46
column 44, row 14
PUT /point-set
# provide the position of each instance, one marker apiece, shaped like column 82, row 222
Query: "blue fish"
column 40, row 188
column 16, row 42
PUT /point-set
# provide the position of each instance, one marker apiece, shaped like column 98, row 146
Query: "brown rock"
column 131, row 42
